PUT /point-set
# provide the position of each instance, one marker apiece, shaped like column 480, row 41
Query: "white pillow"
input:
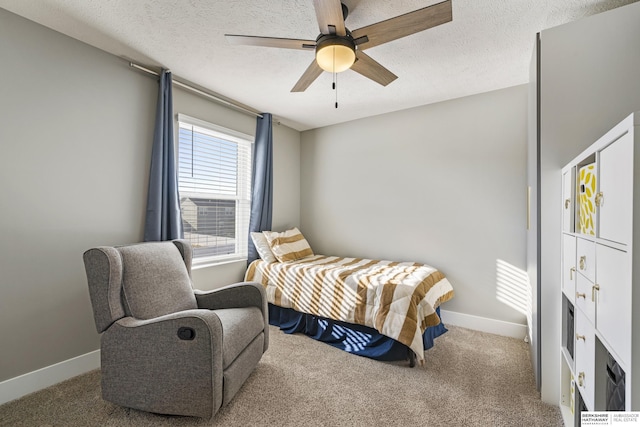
column 289, row 245
column 262, row 246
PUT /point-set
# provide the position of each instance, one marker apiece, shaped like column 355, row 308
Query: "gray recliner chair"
column 165, row 347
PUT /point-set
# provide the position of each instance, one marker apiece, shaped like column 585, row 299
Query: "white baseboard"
column 484, row 324
column 17, row 387
column 22, row 385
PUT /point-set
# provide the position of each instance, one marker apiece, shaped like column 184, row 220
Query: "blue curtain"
column 163, row 221
column 262, row 184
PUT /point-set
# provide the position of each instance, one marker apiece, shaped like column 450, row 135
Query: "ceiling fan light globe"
column 335, row 55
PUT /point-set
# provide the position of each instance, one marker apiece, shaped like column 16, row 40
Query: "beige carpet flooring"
column 469, row 379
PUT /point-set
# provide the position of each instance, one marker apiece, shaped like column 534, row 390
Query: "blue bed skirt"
column 355, row 339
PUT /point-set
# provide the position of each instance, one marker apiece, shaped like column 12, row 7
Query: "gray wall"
column 76, row 126
column 442, row 184
column 286, row 175
column 590, row 80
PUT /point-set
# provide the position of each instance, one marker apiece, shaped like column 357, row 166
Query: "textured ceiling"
column 487, row 46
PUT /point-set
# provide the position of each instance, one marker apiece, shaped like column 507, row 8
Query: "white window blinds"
column 214, row 181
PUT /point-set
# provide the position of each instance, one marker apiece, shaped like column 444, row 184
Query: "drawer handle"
column 571, row 271
column 567, row 203
column 594, row 288
column 583, row 262
column 581, row 337
column 581, row 295
column 581, row 379
column 600, row 199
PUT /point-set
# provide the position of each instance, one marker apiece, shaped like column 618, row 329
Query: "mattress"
column 398, row 299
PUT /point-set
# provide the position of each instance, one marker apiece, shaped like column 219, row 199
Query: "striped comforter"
column 398, row 299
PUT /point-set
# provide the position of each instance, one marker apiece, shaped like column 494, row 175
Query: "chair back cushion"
column 155, row 280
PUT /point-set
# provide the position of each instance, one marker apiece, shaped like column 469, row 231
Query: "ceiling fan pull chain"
column 335, row 86
column 335, row 76
column 334, row 69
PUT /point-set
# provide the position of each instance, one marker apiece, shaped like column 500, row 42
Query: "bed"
column 376, row 308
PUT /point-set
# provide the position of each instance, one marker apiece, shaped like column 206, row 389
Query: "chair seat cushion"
column 239, row 327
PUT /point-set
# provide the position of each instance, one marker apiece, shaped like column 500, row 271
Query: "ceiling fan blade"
column 308, row 77
column 404, row 25
column 330, row 17
column 371, row 69
column 271, row 42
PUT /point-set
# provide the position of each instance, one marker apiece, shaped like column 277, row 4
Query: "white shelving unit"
column 601, row 191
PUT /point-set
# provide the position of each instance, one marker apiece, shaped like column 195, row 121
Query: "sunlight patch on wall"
column 513, row 289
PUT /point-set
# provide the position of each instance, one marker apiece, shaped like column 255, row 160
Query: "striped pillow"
column 289, row 245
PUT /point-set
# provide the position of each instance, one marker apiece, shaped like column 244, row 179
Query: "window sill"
column 197, row 265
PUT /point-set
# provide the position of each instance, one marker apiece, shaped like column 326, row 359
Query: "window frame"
column 243, row 185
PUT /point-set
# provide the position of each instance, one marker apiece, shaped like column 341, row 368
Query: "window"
column 214, row 182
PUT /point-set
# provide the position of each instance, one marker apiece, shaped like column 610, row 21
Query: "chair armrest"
column 209, row 319
column 243, row 294
column 238, row 295
column 150, row 352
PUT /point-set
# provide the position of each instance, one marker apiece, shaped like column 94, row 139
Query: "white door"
column 615, row 190
column 585, row 347
column 613, row 300
column 568, row 201
column 569, row 266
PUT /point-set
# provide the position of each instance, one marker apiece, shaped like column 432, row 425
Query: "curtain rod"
column 198, row 91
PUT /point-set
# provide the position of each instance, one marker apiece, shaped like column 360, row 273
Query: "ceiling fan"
column 338, row 49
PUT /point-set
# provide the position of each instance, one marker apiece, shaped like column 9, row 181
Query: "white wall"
column 590, row 80
column 442, row 184
column 76, row 126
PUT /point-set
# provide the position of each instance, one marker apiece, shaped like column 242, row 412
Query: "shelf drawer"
column 584, row 301
column 586, row 259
